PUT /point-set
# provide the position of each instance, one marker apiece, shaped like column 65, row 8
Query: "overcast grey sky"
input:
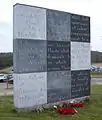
column 90, row 8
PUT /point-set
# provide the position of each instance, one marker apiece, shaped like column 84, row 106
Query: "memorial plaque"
column 31, row 56
column 58, row 55
column 58, row 25
column 80, row 83
column 80, row 56
column 30, row 89
column 58, row 85
column 56, row 95
column 80, row 28
column 58, row 79
column 29, row 22
column 51, row 56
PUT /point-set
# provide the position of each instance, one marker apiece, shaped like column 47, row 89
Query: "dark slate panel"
column 15, row 55
column 58, row 85
column 58, row 79
column 58, row 25
column 80, row 83
column 31, row 56
column 80, row 28
column 56, row 95
column 58, row 56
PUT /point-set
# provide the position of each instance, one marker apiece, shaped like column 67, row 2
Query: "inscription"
column 31, row 56
column 58, row 79
column 58, row 25
column 80, row 56
column 80, row 84
column 80, row 28
column 29, row 22
column 55, row 95
column 58, row 55
column 29, row 96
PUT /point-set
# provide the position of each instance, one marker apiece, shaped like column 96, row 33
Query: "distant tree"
column 97, row 58
column 6, row 60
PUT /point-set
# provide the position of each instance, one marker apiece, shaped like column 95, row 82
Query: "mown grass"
column 96, row 73
column 92, row 111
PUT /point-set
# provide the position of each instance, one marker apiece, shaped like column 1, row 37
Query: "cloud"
column 6, row 39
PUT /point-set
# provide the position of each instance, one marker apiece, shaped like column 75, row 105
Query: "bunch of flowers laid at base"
column 80, row 104
column 64, row 111
column 67, row 107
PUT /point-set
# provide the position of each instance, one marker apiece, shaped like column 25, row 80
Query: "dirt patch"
column 97, row 64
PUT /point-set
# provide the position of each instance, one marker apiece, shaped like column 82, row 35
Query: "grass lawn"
column 92, row 111
column 96, row 73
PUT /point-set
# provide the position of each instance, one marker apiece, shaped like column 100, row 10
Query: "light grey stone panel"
column 30, row 89
column 80, row 56
column 29, row 22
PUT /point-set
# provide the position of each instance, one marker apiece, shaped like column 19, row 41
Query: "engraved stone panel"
column 58, row 25
column 56, row 95
column 80, row 83
column 30, row 89
column 58, row 79
column 80, row 56
column 58, row 85
column 31, row 56
column 58, row 55
column 80, row 28
column 29, row 22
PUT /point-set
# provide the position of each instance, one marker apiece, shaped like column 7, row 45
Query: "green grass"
column 92, row 111
column 96, row 73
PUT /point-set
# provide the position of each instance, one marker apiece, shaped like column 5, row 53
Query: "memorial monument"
column 51, row 56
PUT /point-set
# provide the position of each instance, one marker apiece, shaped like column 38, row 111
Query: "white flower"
column 55, row 106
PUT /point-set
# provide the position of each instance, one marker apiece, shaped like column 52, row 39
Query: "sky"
column 90, row 8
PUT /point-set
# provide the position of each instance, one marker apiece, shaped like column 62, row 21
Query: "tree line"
column 6, row 60
column 96, row 56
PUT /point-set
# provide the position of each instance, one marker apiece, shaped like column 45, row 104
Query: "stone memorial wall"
column 51, row 56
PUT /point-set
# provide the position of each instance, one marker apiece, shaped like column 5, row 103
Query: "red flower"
column 80, row 104
column 67, row 111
